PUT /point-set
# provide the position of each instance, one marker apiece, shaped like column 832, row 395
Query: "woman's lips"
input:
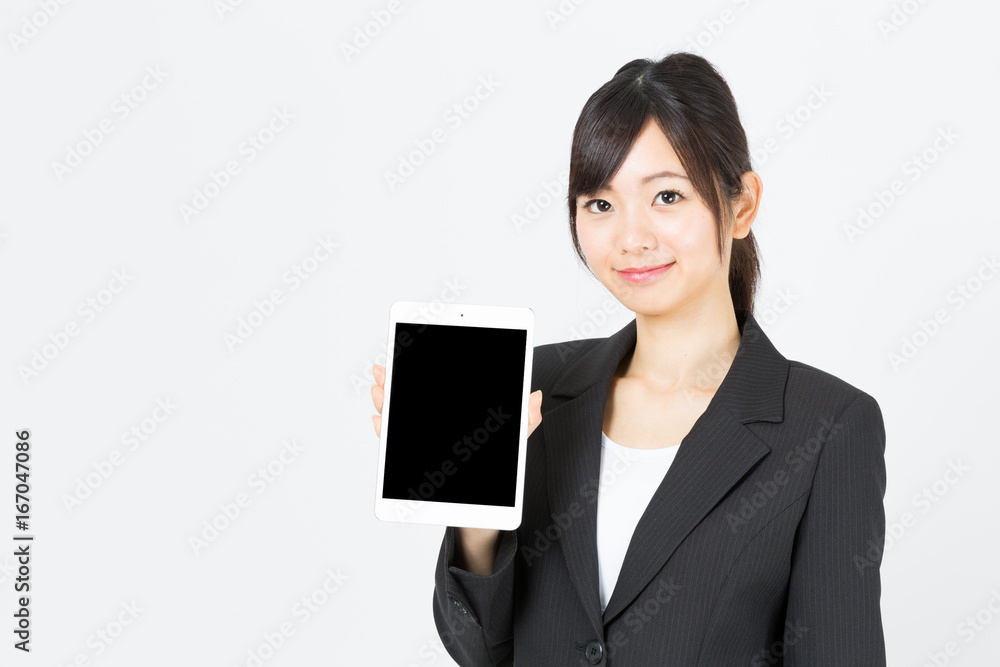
column 644, row 276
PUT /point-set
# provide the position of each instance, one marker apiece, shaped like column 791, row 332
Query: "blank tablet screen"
column 454, row 414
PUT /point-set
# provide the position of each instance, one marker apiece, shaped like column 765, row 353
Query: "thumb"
column 535, row 406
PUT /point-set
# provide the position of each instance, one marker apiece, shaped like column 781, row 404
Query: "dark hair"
column 694, row 107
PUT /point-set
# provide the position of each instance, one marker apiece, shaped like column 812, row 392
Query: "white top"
column 629, row 477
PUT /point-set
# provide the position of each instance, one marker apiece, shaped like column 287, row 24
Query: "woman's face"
column 649, row 219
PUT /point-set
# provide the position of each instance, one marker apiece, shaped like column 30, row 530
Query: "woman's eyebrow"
column 663, row 174
column 652, row 177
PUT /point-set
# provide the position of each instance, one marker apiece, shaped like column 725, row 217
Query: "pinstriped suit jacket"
column 761, row 546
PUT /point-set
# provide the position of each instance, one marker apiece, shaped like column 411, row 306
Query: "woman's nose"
column 635, row 230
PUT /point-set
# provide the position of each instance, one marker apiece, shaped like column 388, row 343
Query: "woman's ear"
column 749, row 202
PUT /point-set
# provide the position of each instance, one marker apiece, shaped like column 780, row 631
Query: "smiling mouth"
column 642, row 269
column 644, row 274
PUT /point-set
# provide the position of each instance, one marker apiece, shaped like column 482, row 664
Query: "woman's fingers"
column 378, row 389
column 534, row 410
column 378, row 396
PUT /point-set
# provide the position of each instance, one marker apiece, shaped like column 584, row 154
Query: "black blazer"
column 761, row 546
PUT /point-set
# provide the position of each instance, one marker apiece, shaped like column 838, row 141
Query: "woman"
column 693, row 497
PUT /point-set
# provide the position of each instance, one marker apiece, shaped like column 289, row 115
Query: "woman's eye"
column 602, row 206
column 669, row 193
column 666, row 197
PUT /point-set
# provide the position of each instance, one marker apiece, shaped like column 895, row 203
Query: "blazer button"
column 595, row 651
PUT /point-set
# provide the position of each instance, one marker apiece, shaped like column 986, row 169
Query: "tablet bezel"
column 456, row 514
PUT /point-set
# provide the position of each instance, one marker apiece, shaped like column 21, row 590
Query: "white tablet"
column 455, row 415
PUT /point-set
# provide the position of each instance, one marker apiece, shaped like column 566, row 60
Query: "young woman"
column 692, row 496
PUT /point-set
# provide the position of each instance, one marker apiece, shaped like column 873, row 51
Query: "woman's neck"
column 683, row 351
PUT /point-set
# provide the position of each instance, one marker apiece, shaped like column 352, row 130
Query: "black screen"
column 454, row 414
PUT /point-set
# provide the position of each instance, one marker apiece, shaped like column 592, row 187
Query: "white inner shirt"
column 629, row 477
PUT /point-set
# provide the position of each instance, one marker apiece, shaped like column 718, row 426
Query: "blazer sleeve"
column 474, row 612
column 833, row 615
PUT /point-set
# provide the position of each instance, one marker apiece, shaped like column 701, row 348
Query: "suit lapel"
column 714, row 456
column 573, row 463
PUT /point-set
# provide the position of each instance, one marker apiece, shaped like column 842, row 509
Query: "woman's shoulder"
column 565, row 350
column 550, row 360
column 813, row 390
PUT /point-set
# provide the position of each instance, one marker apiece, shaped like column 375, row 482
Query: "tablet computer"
column 455, row 414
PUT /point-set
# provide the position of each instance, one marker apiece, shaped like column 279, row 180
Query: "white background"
column 448, row 231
